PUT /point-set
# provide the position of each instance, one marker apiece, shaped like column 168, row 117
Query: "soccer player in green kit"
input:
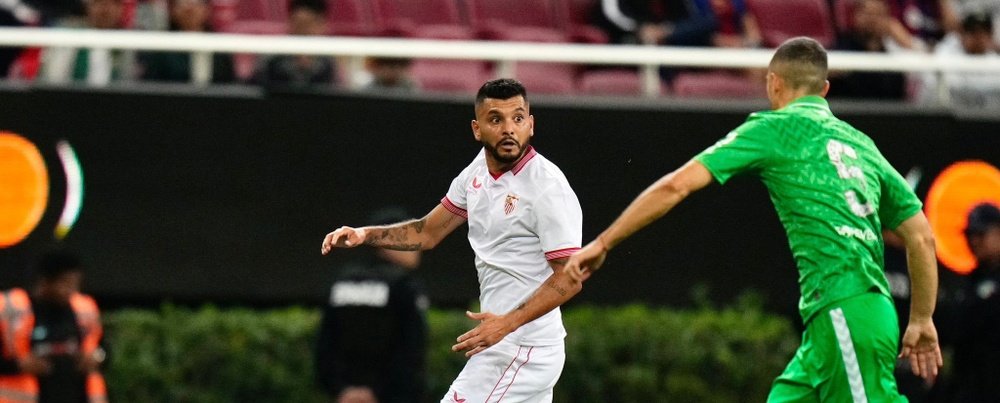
column 833, row 192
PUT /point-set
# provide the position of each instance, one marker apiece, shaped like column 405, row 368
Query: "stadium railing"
column 505, row 54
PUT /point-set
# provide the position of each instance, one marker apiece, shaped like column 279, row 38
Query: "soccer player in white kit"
column 524, row 222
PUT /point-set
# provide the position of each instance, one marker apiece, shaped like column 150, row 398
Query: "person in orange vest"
column 50, row 338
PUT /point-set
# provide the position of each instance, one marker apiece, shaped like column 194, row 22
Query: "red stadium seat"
column 843, row 14
column 780, row 20
column 610, row 82
column 500, row 20
column 575, row 18
column 265, row 10
column 464, row 76
column 244, row 63
column 406, row 15
column 717, row 85
column 349, row 18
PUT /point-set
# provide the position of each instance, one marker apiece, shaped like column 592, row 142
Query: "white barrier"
column 649, row 58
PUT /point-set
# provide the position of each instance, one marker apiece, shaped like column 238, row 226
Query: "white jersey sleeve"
column 559, row 220
column 455, row 200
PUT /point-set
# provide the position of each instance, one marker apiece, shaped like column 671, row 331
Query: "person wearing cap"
column 977, row 343
column 372, row 345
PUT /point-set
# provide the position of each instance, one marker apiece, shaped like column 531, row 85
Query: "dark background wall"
column 210, row 197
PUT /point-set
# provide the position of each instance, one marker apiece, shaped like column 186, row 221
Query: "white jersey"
column 518, row 221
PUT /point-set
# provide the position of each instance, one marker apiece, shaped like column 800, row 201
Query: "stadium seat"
column 575, row 18
column 255, row 10
column 408, row 16
column 780, row 20
column 349, row 18
column 843, row 14
column 464, row 76
column 610, row 82
column 717, row 85
column 244, row 63
column 499, row 20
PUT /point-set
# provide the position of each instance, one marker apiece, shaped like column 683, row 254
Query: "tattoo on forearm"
column 562, row 291
column 398, row 237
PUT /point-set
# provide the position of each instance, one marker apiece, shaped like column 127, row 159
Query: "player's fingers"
column 477, row 315
column 475, row 351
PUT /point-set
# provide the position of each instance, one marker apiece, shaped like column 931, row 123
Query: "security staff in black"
column 372, row 339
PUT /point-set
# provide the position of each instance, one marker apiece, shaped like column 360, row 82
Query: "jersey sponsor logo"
column 457, row 399
column 365, row 293
column 865, row 235
column 475, row 182
column 510, row 203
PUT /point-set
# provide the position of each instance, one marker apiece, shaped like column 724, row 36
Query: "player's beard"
column 506, row 158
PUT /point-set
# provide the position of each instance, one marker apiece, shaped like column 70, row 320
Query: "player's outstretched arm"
column 421, row 234
column 650, row 205
column 920, row 340
column 555, row 291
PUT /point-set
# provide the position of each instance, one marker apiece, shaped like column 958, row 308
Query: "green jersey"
column 833, row 192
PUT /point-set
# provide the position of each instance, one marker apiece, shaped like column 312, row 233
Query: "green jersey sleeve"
column 744, row 149
column 898, row 202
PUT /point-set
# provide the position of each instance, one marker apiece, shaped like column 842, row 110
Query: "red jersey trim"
column 560, row 253
column 524, row 161
column 448, row 205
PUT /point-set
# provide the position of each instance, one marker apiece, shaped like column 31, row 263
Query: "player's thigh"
column 794, row 385
column 857, row 342
column 509, row 372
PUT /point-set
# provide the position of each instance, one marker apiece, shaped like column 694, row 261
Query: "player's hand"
column 491, row 329
column 357, row 394
column 920, row 346
column 586, row 260
column 343, row 237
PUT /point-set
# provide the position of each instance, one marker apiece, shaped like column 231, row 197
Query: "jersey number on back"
column 837, row 152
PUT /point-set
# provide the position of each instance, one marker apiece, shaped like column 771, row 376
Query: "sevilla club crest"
column 509, row 204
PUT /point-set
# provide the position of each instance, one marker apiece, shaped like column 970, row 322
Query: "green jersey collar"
column 810, row 101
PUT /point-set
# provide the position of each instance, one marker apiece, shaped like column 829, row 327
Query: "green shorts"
column 848, row 354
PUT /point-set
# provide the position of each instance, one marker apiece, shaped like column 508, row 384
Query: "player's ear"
column 475, row 130
column 826, row 88
column 531, row 125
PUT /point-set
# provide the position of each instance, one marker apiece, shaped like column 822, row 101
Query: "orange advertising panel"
column 954, row 193
column 24, row 188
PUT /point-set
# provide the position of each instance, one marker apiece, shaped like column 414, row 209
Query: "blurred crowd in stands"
column 944, row 28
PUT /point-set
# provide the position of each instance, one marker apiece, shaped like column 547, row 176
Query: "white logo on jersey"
column 368, row 293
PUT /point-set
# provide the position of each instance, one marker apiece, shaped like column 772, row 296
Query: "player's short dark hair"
column 53, row 264
column 501, row 88
column 315, row 6
column 981, row 218
column 802, row 63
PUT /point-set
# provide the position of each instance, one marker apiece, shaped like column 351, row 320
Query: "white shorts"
column 510, row 373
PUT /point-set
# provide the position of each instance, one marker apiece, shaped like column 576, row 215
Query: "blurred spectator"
column 977, row 346
column 658, row 22
column 372, row 340
column 185, row 16
column 737, row 28
column 51, row 338
column 305, row 17
column 390, row 74
column 873, row 29
column 967, row 89
column 15, row 13
column 60, row 12
column 925, row 19
column 966, row 7
column 96, row 67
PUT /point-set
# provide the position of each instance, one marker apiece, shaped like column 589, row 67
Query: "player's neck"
column 498, row 168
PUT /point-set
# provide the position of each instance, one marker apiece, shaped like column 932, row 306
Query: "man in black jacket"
column 977, row 344
column 372, row 339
